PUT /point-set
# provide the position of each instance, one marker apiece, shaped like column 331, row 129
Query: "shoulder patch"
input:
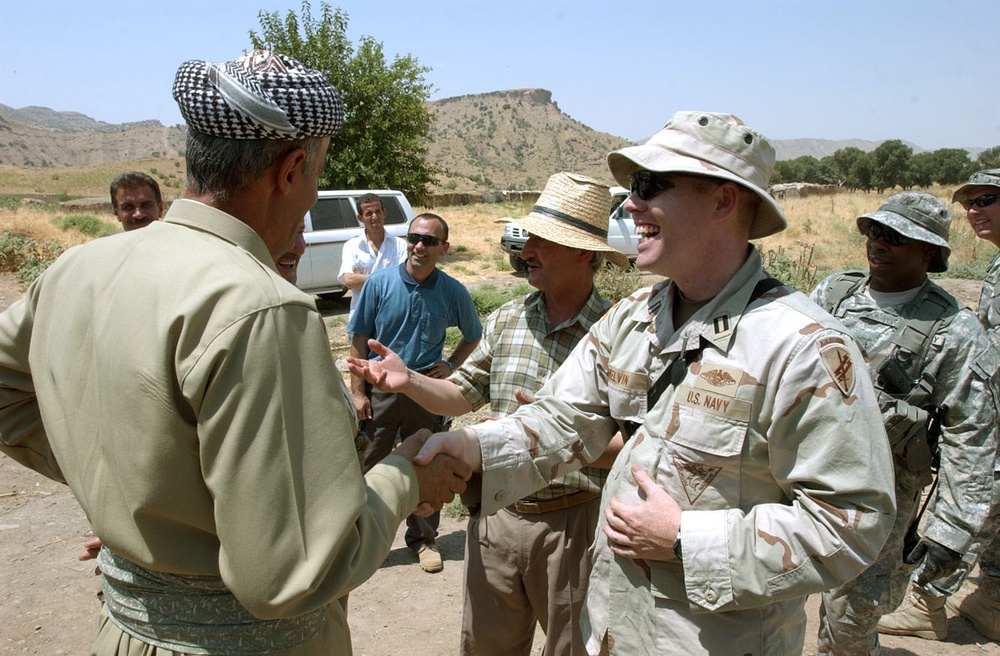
column 837, row 359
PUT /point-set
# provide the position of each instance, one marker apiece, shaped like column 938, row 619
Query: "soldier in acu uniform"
column 933, row 367
column 980, row 604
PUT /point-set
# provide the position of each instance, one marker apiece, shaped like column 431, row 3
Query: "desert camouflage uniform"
column 960, row 367
column 778, row 498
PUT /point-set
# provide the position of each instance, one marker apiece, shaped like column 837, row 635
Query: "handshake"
column 444, row 463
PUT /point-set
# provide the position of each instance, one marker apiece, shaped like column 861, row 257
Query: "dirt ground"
column 48, row 602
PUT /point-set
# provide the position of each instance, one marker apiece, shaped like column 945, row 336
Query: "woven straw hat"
column 573, row 211
column 713, row 145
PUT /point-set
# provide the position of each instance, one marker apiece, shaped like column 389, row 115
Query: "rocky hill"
column 509, row 139
column 38, row 136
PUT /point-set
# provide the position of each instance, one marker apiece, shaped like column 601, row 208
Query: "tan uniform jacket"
column 769, row 437
column 187, row 395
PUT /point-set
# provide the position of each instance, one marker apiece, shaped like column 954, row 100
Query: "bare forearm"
column 461, row 352
column 437, row 395
column 354, row 281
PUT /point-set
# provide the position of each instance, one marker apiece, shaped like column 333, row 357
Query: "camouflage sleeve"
column 568, row 425
column 966, row 371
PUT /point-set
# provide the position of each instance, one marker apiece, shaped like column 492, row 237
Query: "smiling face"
column 136, row 207
column 288, row 264
column 897, row 268
column 670, row 224
column 372, row 217
column 985, row 221
column 421, row 258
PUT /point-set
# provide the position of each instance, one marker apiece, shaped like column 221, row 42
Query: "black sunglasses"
column 646, row 184
column 878, row 231
column 982, row 201
column 430, row 241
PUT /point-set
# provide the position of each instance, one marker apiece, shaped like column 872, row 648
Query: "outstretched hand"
column 645, row 530
column 388, row 374
column 439, row 479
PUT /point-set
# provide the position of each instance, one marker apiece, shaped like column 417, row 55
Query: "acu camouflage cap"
column 916, row 215
column 987, row 178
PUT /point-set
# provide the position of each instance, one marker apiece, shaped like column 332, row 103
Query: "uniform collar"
column 204, row 218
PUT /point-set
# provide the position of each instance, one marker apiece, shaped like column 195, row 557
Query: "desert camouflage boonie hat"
column 920, row 217
column 713, row 145
column 987, row 178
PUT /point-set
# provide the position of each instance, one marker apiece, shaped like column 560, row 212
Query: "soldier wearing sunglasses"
column 980, row 604
column 740, row 490
column 934, row 369
column 408, row 308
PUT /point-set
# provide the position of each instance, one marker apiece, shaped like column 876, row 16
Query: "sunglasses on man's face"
column 878, row 231
column 430, row 241
column 646, row 184
column 980, row 202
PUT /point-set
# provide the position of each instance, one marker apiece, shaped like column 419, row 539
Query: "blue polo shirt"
column 412, row 318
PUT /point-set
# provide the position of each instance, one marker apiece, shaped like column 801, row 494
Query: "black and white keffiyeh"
column 261, row 95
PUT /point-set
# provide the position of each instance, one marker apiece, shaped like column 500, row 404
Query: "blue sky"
column 917, row 70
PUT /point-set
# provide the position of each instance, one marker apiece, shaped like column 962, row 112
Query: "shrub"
column 799, row 272
column 615, row 283
column 87, row 224
column 22, row 255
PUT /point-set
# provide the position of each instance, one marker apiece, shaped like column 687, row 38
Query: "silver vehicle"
column 621, row 233
column 331, row 222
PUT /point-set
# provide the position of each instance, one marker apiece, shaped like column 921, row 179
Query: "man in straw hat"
column 529, row 563
column 935, row 373
column 979, row 603
column 216, row 460
column 739, row 491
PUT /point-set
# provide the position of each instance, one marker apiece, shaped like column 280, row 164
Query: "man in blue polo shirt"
column 408, row 308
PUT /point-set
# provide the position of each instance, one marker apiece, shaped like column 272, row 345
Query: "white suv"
column 621, row 233
column 331, row 222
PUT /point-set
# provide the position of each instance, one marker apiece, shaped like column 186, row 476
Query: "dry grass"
column 37, row 223
column 825, row 224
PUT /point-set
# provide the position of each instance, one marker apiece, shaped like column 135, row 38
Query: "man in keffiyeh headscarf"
column 214, row 457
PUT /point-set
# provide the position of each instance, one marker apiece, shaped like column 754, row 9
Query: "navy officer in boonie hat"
column 738, row 492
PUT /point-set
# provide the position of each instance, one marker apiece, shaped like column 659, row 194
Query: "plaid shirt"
column 520, row 350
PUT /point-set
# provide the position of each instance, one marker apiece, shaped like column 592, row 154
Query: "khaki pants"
column 523, row 568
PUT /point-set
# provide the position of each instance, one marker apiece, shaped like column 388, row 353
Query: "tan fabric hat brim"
column 571, row 237
column 626, row 161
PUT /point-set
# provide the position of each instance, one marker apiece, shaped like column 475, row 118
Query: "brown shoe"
column 430, row 559
column 919, row 615
column 982, row 607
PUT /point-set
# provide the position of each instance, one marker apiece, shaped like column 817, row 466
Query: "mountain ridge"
column 508, row 139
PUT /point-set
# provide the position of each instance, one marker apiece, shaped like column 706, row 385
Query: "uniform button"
column 710, row 596
column 501, row 495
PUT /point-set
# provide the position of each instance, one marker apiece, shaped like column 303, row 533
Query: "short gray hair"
column 218, row 167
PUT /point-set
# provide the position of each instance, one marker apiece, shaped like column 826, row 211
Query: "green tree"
column 851, row 166
column 891, row 165
column 383, row 142
column 988, row 159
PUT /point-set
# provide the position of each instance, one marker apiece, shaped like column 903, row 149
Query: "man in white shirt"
column 371, row 251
